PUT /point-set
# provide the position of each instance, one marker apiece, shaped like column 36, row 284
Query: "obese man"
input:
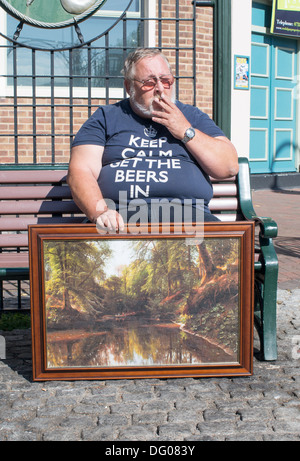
column 147, row 149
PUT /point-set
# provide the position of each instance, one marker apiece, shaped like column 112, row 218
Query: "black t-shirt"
column 142, row 160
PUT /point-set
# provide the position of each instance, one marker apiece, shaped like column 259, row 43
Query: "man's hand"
column 167, row 113
column 109, row 220
column 217, row 156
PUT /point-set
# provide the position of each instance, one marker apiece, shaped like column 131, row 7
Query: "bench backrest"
column 41, row 196
column 33, row 197
column 225, row 203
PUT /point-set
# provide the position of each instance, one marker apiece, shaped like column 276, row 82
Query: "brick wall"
column 39, row 148
column 204, row 51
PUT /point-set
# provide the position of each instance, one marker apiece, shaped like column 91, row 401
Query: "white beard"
column 147, row 112
column 141, row 108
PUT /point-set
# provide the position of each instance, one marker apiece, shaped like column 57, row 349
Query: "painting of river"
column 141, row 302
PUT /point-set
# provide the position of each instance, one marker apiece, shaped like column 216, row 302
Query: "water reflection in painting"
column 116, row 303
column 133, row 345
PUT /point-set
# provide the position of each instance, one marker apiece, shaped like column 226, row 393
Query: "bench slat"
column 34, row 192
column 32, row 176
column 10, row 259
column 38, row 207
column 223, row 190
column 14, row 240
column 22, row 223
column 230, row 203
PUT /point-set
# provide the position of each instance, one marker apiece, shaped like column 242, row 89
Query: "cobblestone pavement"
column 283, row 206
column 262, row 407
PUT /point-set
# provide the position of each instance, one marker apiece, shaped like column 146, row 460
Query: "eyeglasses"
column 166, row 81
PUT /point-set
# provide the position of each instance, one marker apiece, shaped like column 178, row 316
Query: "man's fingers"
column 103, row 224
column 110, row 220
column 120, row 222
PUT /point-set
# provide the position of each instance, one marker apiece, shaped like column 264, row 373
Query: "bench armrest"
column 267, row 225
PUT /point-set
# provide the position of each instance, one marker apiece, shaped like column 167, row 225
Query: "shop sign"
column 286, row 18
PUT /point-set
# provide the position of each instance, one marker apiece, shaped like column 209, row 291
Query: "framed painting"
column 152, row 305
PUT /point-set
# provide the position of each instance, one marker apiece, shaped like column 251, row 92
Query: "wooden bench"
column 41, row 196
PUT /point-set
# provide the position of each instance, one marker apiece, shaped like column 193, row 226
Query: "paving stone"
column 217, row 428
column 99, row 434
column 159, row 417
column 62, row 435
column 137, row 433
column 176, row 431
column 185, row 416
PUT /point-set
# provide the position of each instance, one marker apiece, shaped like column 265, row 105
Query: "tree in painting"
column 212, row 307
column 73, row 272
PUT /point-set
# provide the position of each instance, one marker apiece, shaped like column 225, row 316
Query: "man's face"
column 142, row 99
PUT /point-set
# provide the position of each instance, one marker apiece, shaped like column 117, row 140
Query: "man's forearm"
column 217, row 156
column 86, row 194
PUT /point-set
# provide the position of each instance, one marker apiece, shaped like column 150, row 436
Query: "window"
column 88, row 66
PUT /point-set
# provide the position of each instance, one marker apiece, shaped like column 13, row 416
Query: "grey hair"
column 136, row 55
